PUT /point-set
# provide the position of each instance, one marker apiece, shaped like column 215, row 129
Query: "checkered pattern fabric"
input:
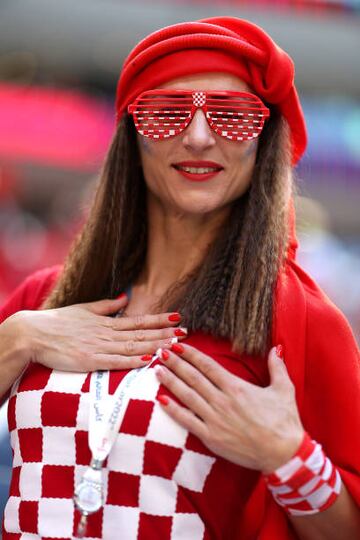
column 154, row 477
column 199, row 99
column 308, row 483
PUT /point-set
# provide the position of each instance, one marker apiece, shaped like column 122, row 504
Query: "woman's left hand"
column 258, row 428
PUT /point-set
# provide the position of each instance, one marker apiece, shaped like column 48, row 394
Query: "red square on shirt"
column 94, row 524
column 14, row 486
column 123, row 489
column 137, row 417
column 30, row 442
column 59, row 409
column 57, row 481
column 28, row 516
column 149, row 524
column 11, row 413
column 35, row 377
column 160, row 459
column 83, row 454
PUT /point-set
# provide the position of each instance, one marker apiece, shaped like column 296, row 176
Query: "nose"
column 198, row 135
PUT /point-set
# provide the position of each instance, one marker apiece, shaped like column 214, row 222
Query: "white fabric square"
column 327, row 470
column 164, row 429
column 14, row 442
column 30, row 481
column 309, row 486
column 56, row 517
column 66, row 382
column 29, row 536
column 286, row 471
column 157, row 495
column 55, row 439
column 127, row 454
column 320, row 496
column 82, row 418
column 192, row 470
column 186, row 526
column 27, row 409
column 11, row 515
column 123, row 519
column 145, row 386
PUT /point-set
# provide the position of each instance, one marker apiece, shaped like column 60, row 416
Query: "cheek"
column 250, row 150
column 145, row 145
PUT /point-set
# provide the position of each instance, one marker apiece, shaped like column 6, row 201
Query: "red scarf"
column 323, row 361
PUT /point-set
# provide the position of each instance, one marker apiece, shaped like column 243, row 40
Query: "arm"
column 14, row 354
column 341, row 520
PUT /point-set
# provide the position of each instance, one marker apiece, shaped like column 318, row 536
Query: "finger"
column 208, row 367
column 108, row 306
column 187, row 395
column 133, row 348
column 184, row 417
column 117, row 361
column 192, row 377
column 161, row 320
column 142, row 334
column 277, row 369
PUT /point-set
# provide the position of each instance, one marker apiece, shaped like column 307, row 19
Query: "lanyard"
column 105, row 417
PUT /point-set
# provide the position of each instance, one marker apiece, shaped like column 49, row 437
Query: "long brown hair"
column 230, row 294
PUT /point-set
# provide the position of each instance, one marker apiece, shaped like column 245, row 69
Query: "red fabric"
column 322, row 360
column 225, row 44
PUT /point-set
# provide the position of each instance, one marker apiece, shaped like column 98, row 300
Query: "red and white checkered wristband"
column 307, row 484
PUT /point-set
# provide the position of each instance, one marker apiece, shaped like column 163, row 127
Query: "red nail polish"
column 122, row 295
column 165, row 354
column 180, row 332
column 164, row 400
column 280, row 351
column 177, row 348
column 146, row 357
column 174, row 317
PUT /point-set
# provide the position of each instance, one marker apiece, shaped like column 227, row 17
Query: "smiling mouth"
column 197, row 174
column 197, row 170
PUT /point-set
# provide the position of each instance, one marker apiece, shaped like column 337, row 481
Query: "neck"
column 177, row 243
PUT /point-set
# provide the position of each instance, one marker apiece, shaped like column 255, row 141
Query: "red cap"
column 224, row 44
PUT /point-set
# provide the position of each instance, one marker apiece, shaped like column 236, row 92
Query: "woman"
column 194, row 218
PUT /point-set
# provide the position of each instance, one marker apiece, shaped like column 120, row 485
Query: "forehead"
column 208, row 81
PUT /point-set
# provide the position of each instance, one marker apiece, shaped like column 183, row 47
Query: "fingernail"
column 121, row 296
column 174, row 317
column 280, row 352
column 165, row 354
column 180, row 332
column 164, row 400
column 177, row 348
column 146, row 357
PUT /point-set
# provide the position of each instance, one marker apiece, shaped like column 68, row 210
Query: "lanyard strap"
column 107, row 412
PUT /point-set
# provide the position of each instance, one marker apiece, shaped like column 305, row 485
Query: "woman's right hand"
column 83, row 337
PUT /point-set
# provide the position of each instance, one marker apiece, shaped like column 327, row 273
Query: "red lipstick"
column 198, row 176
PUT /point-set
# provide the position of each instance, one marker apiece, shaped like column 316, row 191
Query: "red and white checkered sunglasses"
column 160, row 114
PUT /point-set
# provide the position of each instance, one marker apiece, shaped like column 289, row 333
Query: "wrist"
column 283, row 451
column 17, row 341
column 308, row 483
column 14, row 353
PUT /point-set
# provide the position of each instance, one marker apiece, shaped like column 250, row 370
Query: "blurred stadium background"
column 59, row 63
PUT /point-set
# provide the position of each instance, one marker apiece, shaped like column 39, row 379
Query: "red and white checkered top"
column 160, row 481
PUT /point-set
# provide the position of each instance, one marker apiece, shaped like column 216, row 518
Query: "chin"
column 200, row 206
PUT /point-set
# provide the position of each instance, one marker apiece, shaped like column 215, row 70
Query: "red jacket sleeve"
column 31, row 292
column 332, row 389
